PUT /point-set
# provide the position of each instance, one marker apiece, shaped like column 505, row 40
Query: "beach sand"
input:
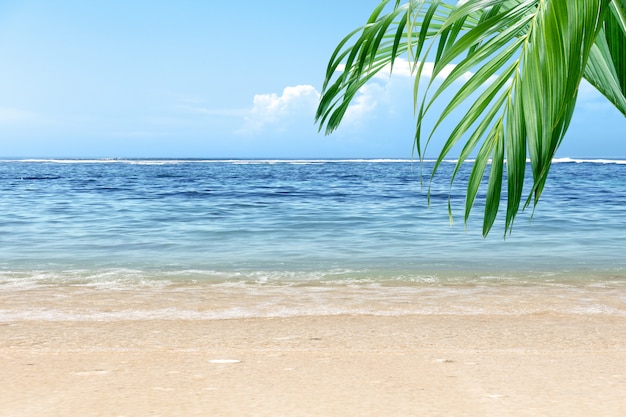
column 342, row 365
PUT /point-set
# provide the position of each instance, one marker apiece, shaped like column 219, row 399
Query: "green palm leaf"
column 526, row 59
column 606, row 69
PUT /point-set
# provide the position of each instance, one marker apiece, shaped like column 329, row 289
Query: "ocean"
column 219, row 239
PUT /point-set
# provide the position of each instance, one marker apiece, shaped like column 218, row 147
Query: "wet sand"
column 545, row 364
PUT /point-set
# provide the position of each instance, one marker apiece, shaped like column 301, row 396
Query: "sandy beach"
column 298, row 288
column 343, row 365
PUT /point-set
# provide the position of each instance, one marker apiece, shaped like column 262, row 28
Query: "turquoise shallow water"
column 271, row 238
column 297, row 220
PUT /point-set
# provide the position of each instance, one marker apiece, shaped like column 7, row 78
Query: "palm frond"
column 375, row 46
column 526, row 59
column 606, row 69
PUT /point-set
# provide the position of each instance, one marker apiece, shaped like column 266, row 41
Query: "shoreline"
column 113, row 301
column 342, row 365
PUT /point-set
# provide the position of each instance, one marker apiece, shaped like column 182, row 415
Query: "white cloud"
column 272, row 110
column 366, row 101
column 402, row 68
column 387, row 88
column 429, row 67
column 297, row 104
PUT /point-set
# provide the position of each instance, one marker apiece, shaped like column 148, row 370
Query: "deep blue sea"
column 276, row 227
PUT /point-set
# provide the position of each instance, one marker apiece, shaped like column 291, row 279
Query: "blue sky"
column 208, row 79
